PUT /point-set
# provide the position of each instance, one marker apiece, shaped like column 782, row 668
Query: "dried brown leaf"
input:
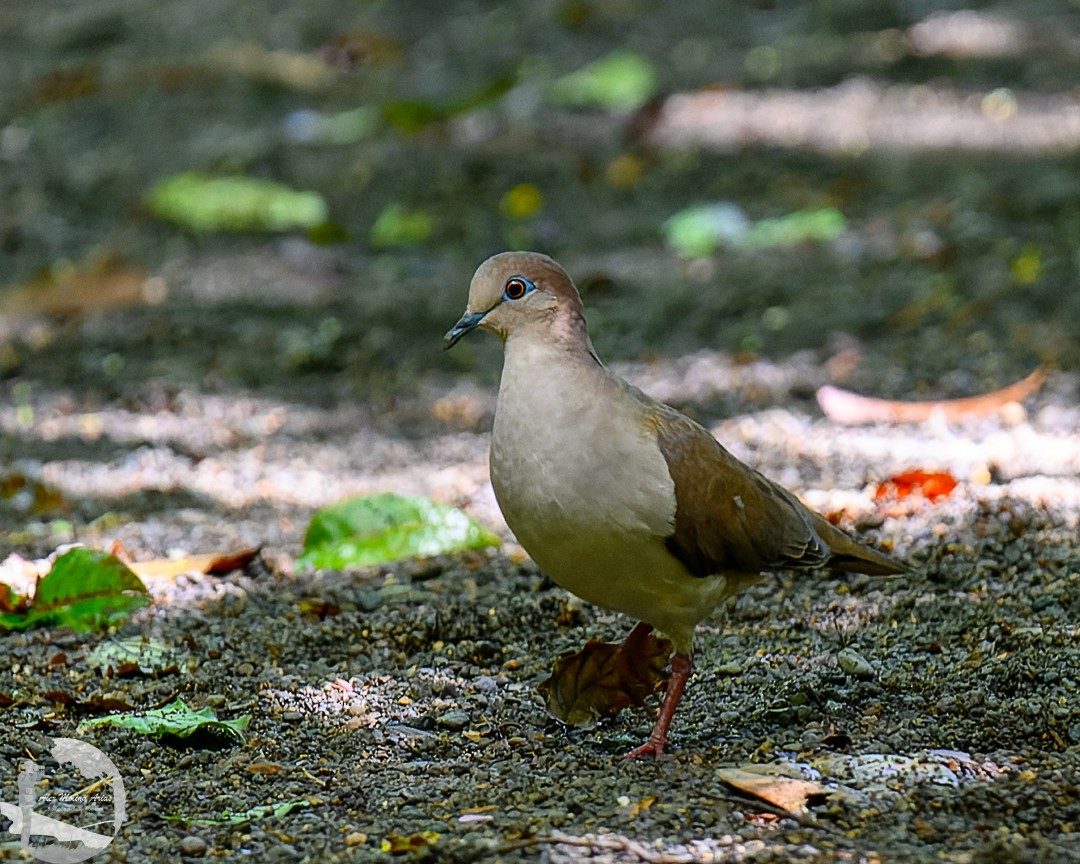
column 773, row 785
column 210, row 563
column 851, row 409
column 99, row 284
column 603, row 678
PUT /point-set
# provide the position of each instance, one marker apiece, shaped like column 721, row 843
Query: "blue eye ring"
column 517, row 287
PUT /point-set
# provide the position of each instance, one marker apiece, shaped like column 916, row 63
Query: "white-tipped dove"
column 619, row 498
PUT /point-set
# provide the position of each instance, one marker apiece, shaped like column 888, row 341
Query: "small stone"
column 454, row 720
column 192, row 846
column 852, row 662
column 292, row 716
column 245, row 669
column 355, row 838
column 485, row 684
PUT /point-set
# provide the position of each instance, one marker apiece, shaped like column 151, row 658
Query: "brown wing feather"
column 731, row 519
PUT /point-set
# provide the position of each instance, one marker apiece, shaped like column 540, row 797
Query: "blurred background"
column 287, row 200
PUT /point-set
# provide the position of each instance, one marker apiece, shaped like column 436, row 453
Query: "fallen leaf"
column 412, row 115
column 176, row 722
column 772, row 784
column 84, row 590
column 26, row 495
column 96, row 704
column 264, row 766
column 397, row 226
column 262, row 812
column 931, row 484
column 396, row 843
column 638, row 807
column 388, row 527
column 102, row 283
column 851, row 409
column 203, row 202
column 620, row 81
column 600, row 679
column 319, row 609
column 211, row 563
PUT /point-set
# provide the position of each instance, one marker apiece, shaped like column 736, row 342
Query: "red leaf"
column 932, row 485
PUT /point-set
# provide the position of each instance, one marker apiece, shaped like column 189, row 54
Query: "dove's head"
column 516, row 292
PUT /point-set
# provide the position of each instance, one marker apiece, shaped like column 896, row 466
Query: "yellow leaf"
column 521, row 202
column 1026, row 267
column 396, row 843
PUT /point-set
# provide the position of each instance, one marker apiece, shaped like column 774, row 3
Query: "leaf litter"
column 603, row 678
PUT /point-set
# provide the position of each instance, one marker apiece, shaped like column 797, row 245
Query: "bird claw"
column 653, row 747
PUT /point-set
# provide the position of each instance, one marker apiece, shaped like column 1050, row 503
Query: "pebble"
column 485, row 684
column 192, row 846
column 852, row 662
column 454, row 720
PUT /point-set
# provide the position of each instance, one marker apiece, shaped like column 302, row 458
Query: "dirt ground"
column 256, row 378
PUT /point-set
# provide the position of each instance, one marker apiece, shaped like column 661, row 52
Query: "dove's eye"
column 517, row 287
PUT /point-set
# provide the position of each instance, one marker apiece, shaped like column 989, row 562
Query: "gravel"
column 939, row 711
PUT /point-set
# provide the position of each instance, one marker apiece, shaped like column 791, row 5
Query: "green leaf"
column 700, row 229
column 85, row 590
column 695, row 231
column 206, row 203
column 412, row 115
column 621, row 81
column 260, row 812
column 802, row 226
column 177, row 720
column 397, row 226
column 343, row 127
column 388, row 527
